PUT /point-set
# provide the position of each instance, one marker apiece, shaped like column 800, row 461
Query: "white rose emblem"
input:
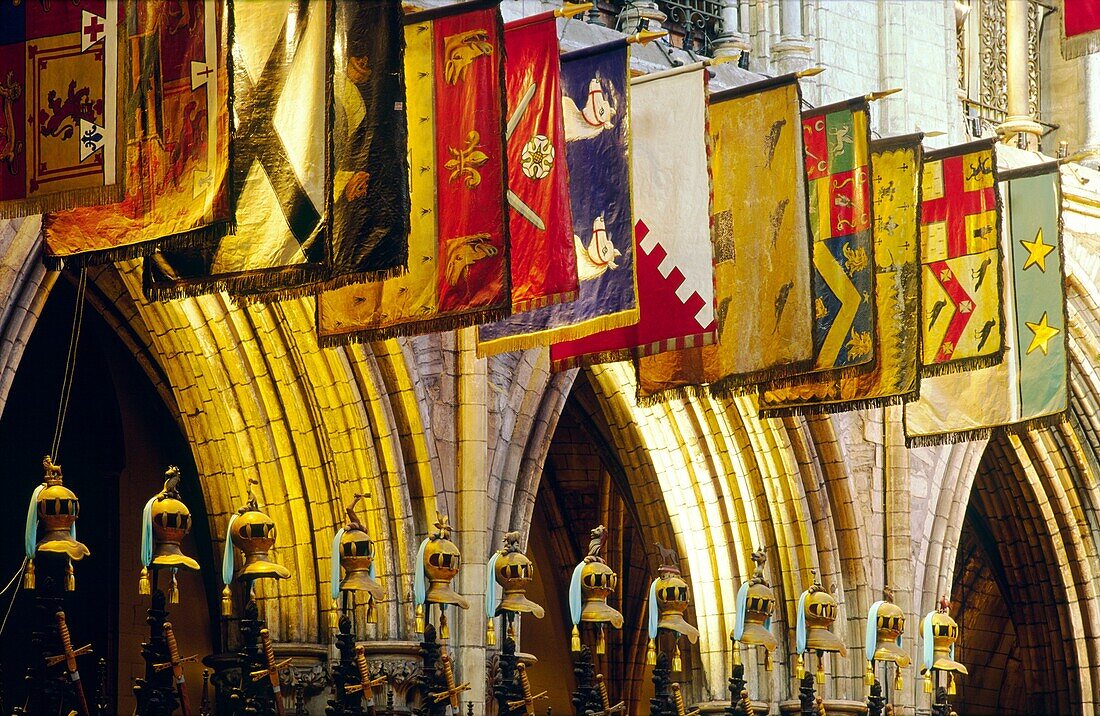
column 537, row 157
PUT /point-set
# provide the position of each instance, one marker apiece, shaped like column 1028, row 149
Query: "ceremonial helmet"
column 513, row 571
column 669, row 595
column 57, row 509
column 817, row 611
column 253, row 533
column 885, row 625
column 169, row 521
column 353, row 549
column 755, row 603
column 439, row 561
column 940, row 632
column 598, row 582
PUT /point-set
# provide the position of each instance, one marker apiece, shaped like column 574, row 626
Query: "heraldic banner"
column 1080, row 28
column 672, row 229
column 895, row 190
column 837, row 141
column 544, row 265
column 458, row 245
column 596, row 110
column 370, row 191
column 60, row 144
column 279, row 180
column 1030, row 386
column 761, row 249
column 961, row 322
column 178, row 142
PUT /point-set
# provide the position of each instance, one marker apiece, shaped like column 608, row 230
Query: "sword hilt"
column 601, row 684
column 365, row 681
column 678, row 700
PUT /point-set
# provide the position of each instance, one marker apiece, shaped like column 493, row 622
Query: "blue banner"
column 596, row 109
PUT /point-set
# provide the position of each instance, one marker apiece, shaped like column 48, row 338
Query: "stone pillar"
column 1019, row 120
column 639, row 15
column 793, row 51
column 472, row 427
column 899, row 556
column 733, row 41
column 1090, row 109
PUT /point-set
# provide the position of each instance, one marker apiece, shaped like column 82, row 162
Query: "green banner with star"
column 1029, row 387
column 1033, row 203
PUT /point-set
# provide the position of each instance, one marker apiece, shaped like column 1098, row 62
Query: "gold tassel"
column 677, row 664
column 869, row 677
column 820, row 674
column 227, row 602
column 601, row 642
column 372, row 616
column 512, row 629
column 950, row 684
column 651, row 654
column 28, row 576
column 173, row 590
column 70, row 579
column 143, row 582
column 490, row 633
column 419, row 619
column 736, row 654
column 897, row 680
column 444, row 630
column 575, row 643
column 800, row 668
column 928, row 682
column 334, row 615
column 767, row 660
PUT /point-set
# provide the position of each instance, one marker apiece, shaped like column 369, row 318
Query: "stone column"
column 471, row 477
column 1090, row 107
column 1019, row 119
column 639, row 15
column 792, row 52
column 733, row 41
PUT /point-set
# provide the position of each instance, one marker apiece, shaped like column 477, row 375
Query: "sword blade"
column 525, row 211
column 525, row 100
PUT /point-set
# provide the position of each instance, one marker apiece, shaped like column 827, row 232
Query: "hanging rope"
column 70, row 363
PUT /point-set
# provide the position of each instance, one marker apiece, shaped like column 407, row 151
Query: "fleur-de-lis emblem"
column 464, row 161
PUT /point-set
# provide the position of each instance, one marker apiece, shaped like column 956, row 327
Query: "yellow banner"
column 895, row 190
column 761, row 248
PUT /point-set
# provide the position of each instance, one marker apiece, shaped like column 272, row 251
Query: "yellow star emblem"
column 1042, row 334
column 1037, row 252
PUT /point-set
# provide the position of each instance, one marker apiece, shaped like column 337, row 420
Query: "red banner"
column 469, row 170
column 544, row 263
column 1080, row 27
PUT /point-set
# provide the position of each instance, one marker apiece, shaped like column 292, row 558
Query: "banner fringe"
column 544, row 338
column 432, row 325
column 246, row 289
column 848, row 372
column 682, row 392
column 743, row 383
column 1038, row 423
column 191, row 239
column 1080, row 45
column 554, row 299
column 590, row 359
column 790, row 411
column 360, row 277
column 61, row 201
column 962, row 365
column 940, row 439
